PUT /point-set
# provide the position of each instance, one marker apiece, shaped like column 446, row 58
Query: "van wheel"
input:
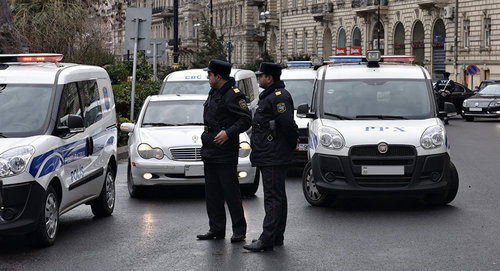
column 133, row 190
column 468, row 118
column 311, row 192
column 105, row 203
column 249, row 190
column 48, row 220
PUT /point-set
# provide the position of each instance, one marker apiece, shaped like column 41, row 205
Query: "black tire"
column 105, row 203
column 48, row 220
column 249, row 190
column 468, row 118
column 134, row 191
column 311, row 193
column 452, row 189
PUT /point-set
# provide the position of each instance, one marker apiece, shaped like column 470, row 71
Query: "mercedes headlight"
column 433, row 137
column 495, row 103
column 464, row 104
column 14, row 161
column 331, row 138
column 147, row 152
column 244, row 150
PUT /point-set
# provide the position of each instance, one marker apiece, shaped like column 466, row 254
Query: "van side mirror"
column 73, row 124
column 303, row 111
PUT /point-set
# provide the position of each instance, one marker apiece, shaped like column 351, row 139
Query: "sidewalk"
column 122, row 153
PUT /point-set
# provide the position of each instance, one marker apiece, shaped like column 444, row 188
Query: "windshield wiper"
column 380, row 117
column 157, row 124
column 340, row 117
column 190, row 123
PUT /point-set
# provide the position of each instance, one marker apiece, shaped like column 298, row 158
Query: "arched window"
column 399, row 39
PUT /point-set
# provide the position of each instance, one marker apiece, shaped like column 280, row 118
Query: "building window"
column 306, row 49
column 466, row 34
column 315, row 41
column 295, row 44
column 286, row 44
column 487, row 32
column 295, row 3
column 241, row 14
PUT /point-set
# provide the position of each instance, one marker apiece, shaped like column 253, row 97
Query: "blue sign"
column 472, row 69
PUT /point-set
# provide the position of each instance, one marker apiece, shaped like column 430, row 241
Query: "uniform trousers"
column 221, row 185
column 275, row 203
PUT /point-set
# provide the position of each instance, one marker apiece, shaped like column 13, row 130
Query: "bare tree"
column 11, row 41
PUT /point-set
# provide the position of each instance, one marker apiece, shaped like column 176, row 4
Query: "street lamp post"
column 196, row 26
column 266, row 14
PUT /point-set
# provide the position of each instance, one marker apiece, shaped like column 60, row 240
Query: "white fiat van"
column 58, row 139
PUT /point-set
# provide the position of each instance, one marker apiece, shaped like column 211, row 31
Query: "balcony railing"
column 367, row 3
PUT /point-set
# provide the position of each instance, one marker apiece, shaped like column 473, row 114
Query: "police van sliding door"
column 72, row 147
column 96, row 136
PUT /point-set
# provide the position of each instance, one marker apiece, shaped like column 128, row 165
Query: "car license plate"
column 193, row 170
column 382, row 170
column 303, row 147
column 475, row 109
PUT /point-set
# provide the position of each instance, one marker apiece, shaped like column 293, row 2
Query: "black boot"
column 210, row 236
column 258, row 246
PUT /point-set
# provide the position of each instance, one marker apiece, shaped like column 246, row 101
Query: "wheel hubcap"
column 51, row 217
column 110, row 191
column 311, row 189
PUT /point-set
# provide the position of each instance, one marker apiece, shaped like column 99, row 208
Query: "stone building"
column 288, row 28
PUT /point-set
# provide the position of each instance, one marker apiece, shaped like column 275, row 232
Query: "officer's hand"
column 221, row 137
column 443, row 94
column 297, row 146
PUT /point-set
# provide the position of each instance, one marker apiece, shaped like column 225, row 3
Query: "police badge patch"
column 243, row 104
column 281, row 108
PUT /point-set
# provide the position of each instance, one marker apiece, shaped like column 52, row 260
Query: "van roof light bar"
column 53, row 58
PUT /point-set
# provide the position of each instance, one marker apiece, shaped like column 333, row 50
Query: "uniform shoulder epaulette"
column 277, row 92
column 236, row 90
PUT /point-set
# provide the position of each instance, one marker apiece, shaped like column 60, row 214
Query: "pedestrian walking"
column 225, row 116
column 274, row 138
column 444, row 87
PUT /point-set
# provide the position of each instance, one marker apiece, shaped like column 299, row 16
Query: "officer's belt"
column 212, row 129
column 263, row 126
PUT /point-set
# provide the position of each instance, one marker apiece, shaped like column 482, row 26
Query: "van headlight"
column 147, row 152
column 14, row 161
column 244, row 150
column 432, row 137
column 331, row 138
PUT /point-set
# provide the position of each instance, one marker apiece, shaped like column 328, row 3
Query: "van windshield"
column 301, row 90
column 24, row 109
column 173, row 113
column 185, row 87
column 377, row 99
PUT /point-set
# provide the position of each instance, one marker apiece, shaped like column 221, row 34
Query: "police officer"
column 225, row 116
column 274, row 138
column 444, row 87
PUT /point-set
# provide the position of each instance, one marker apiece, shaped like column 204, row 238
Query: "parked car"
column 485, row 104
column 165, row 145
column 486, row 83
column 58, row 139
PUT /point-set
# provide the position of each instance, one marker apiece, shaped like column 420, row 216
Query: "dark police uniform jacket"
column 274, row 146
column 225, row 109
column 444, row 85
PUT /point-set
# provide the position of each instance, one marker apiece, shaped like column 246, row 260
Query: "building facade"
column 301, row 28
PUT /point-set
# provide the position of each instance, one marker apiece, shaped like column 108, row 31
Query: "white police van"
column 58, row 139
column 375, row 129
column 299, row 80
column 195, row 81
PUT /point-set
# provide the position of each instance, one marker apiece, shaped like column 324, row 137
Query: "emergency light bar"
column 398, row 58
column 360, row 59
column 301, row 64
column 54, row 58
column 345, row 59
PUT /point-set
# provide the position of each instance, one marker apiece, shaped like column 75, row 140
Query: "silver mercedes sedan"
column 164, row 145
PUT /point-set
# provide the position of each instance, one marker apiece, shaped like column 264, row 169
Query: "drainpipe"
column 455, row 55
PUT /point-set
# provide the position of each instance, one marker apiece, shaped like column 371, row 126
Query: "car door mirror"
column 127, row 127
column 303, row 111
column 71, row 124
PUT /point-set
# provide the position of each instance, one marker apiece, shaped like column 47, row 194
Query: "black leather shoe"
column 258, row 246
column 210, row 236
column 237, row 238
column 276, row 243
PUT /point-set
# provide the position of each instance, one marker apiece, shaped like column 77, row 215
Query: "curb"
column 122, row 152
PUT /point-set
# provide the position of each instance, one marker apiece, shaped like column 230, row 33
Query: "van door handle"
column 90, row 146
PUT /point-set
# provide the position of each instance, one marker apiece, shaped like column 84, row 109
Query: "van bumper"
column 339, row 175
column 21, row 207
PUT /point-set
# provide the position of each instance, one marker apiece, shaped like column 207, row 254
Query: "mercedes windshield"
column 377, row 99
column 173, row 113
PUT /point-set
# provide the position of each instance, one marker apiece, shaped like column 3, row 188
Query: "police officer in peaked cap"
column 225, row 116
column 444, row 87
column 274, row 138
